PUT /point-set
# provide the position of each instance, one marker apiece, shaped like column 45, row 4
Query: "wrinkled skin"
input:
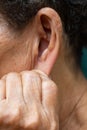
column 28, row 101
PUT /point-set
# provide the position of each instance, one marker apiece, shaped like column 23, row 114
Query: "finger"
column 41, row 74
column 49, row 101
column 32, row 94
column 2, row 89
column 50, row 95
column 49, row 89
column 31, row 86
column 13, row 87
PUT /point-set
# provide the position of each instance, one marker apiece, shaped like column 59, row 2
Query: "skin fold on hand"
column 28, row 101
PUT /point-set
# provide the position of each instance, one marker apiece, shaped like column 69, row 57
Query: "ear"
column 50, row 35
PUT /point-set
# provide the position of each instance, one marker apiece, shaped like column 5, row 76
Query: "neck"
column 72, row 86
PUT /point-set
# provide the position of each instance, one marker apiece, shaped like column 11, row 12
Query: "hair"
column 73, row 14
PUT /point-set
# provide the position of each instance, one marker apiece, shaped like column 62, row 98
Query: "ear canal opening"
column 43, row 45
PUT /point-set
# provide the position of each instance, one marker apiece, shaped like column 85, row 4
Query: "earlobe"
column 49, row 45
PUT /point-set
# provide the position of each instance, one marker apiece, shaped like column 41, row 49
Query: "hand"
column 28, row 101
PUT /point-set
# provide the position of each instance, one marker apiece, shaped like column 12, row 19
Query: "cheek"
column 23, row 54
column 19, row 51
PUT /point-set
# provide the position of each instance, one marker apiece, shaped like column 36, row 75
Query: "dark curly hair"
column 73, row 14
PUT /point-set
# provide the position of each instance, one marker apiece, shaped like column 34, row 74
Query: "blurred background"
column 84, row 62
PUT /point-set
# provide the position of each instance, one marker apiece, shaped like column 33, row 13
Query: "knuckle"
column 29, row 74
column 12, row 74
column 53, row 84
column 13, row 78
column 54, row 87
column 24, row 72
column 50, row 86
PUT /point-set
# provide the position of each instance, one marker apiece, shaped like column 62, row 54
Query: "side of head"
column 34, row 31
